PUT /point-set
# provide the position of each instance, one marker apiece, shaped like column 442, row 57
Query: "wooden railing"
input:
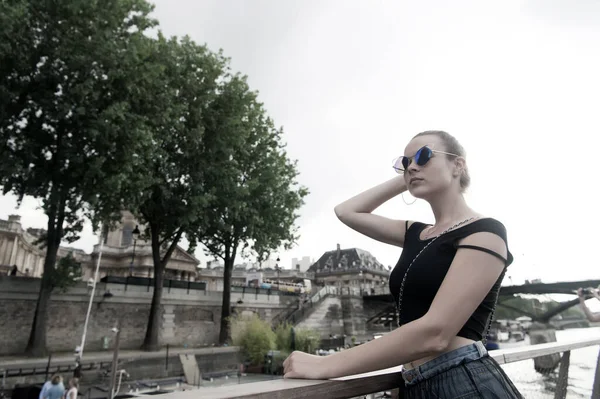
column 384, row 380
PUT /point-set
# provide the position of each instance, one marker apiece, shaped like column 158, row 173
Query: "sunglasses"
column 423, row 155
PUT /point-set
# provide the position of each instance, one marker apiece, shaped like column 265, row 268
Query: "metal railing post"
column 563, row 376
column 596, row 388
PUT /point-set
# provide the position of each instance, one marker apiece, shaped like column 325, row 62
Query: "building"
column 127, row 254
column 123, row 254
column 18, row 247
column 301, row 264
column 267, row 264
column 352, row 268
column 213, row 276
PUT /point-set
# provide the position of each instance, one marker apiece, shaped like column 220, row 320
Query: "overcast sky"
column 352, row 81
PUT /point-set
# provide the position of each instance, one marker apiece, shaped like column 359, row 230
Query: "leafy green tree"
column 176, row 195
column 517, row 306
column 69, row 71
column 255, row 193
column 66, row 273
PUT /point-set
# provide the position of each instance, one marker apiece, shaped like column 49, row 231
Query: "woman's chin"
column 418, row 192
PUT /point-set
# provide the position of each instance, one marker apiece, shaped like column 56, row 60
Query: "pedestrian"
column 55, row 389
column 581, row 293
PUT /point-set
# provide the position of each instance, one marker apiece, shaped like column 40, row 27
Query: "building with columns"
column 127, row 254
column 18, row 248
column 123, row 253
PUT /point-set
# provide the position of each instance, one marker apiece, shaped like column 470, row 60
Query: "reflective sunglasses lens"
column 405, row 162
column 423, row 156
column 398, row 165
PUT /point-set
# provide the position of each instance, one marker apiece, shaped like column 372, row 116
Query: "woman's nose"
column 412, row 167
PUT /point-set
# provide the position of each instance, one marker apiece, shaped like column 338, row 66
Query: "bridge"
column 383, row 301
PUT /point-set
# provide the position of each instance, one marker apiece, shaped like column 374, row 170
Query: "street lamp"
column 135, row 234
column 113, row 376
column 79, row 350
column 278, row 269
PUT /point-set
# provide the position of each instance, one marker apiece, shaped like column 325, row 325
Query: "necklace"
column 430, row 229
column 401, row 291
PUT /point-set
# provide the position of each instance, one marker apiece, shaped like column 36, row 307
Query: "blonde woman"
column 445, row 283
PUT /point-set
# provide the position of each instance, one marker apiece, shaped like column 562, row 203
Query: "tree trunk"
column 36, row 346
column 225, row 331
column 151, row 339
column 151, row 342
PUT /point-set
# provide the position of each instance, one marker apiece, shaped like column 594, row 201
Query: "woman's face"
column 438, row 174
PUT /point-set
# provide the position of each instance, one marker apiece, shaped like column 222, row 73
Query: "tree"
column 66, row 273
column 175, row 195
column 68, row 72
column 518, row 306
column 255, row 193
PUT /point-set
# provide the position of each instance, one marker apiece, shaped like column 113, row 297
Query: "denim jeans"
column 467, row 372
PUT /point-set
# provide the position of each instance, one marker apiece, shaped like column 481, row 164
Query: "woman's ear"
column 460, row 166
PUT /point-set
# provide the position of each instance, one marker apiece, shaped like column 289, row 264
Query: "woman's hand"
column 582, row 293
column 304, row 366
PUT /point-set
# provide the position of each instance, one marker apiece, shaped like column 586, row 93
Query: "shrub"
column 254, row 336
column 308, row 340
column 278, row 360
column 283, row 337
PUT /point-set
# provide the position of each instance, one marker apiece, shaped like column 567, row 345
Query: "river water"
column 581, row 371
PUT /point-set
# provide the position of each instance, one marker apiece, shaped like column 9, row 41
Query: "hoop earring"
column 402, row 195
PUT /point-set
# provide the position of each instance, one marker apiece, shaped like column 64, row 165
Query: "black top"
column 428, row 271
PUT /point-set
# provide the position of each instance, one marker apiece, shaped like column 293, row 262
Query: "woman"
column 73, row 386
column 445, row 284
column 56, row 389
column 56, row 379
column 583, row 294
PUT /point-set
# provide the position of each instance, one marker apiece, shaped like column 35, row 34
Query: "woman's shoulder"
column 487, row 224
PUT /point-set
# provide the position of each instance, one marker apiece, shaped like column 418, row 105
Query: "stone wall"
column 354, row 315
column 187, row 318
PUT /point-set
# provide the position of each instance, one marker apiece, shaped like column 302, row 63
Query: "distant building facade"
column 213, row 275
column 19, row 251
column 352, row 268
column 124, row 255
column 301, row 264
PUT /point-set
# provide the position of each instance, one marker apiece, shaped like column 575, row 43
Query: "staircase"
column 299, row 314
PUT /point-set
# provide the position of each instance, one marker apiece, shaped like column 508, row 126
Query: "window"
column 127, row 237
